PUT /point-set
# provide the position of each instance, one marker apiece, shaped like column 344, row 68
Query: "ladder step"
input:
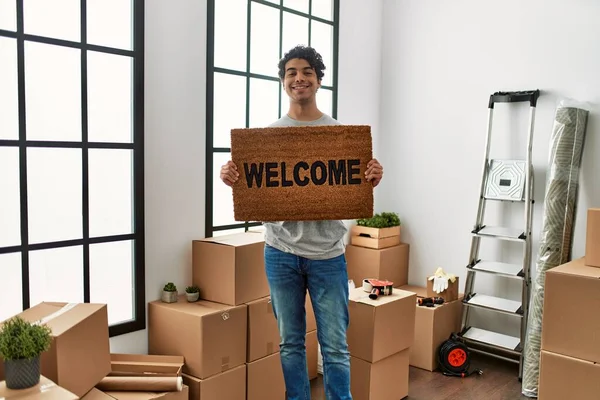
column 496, row 339
column 500, row 232
column 506, row 180
column 498, row 268
column 494, row 303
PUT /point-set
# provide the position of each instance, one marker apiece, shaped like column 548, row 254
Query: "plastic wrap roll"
column 141, row 383
column 568, row 136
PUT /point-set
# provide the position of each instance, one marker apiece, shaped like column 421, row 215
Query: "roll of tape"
column 367, row 287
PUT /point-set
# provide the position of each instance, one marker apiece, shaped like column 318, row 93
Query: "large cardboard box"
column 212, row 337
column 381, row 327
column 230, row 269
column 572, row 297
column 230, row 385
column 44, row 390
column 312, row 354
column 592, row 241
column 79, row 356
column 386, row 379
column 390, row 263
column 433, row 326
column 563, row 377
column 265, row 379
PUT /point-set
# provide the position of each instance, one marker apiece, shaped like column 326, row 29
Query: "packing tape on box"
column 55, row 314
column 141, row 383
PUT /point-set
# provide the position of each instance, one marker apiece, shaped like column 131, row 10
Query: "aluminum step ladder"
column 505, row 181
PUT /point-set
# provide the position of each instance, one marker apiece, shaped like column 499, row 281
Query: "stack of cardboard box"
column 377, row 253
column 380, row 335
column 229, row 338
column 570, row 355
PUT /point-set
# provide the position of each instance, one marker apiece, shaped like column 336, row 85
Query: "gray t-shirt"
column 317, row 240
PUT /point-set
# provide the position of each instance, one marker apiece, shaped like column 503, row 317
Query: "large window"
column 246, row 39
column 71, row 156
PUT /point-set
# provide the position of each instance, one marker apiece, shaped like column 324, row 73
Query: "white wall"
column 175, row 128
column 441, row 61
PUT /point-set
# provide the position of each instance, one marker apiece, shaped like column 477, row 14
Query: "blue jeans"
column 289, row 278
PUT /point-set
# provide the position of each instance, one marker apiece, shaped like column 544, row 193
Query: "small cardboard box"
column 230, row 385
column 312, row 354
column 571, row 299
column 79, row 356
column 592, row 240
column 448, row 295
column 211, row 337
column 433, row 326
column 375, row 238
column 44, row 390
column 390, row 263
column 563, row 377
column 385, row 379
column 265, row 379
column 230, row 269
column 381, row 327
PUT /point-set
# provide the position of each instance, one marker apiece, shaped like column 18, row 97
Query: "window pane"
column 9, row 95
column 10, row 220
column 229, row 107
column 325, row 100
column 264, row 48
column 111, row 278
column 8, row 19
column 231, row 21
column 110, row 192
column 11, row 295
column 228, row 232
column 54, row 194
column 322, row 40
column 53, row 92
column 110, row 98
column 58, row 19
column 295, row 32
column 323, row 9
column 222, row 194
column 300, row 5
column 56, row 275
column 110, row 23
column 264, row 102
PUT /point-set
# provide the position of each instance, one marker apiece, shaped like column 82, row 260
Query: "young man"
column 308, row 255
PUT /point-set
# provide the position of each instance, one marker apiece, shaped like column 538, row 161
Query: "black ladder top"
column 514, row 97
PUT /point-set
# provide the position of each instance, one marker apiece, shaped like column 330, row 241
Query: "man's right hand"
column 229, row 173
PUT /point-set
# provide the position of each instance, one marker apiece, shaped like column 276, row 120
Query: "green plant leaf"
column 20, row 339
column 383, row 220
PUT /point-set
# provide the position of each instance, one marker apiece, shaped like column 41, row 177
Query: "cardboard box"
column 563, row 377
column 386, row 379
column 572, row 297
column 374, row 238
column 265, row 379
column 449, row 294
column 79, row 356
column 212, row 337
column 230, row 269
column 390, row 263
column 433, row 326
column 263, row 334
column 230, row 385
column 382, row 327
column 96, row 394
column 592, row 240
column 44, row 390
column 312, row 354
column 184, row 394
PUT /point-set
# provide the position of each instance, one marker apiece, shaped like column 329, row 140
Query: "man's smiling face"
column 300, row 80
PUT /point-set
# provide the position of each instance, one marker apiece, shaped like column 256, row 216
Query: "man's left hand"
column 374, row 172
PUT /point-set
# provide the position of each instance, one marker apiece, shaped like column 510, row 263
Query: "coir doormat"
column 303, row 173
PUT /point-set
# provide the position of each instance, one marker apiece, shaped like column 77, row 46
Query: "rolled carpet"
column 568, row 136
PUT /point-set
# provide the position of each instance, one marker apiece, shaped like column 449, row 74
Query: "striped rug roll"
column 568, row 136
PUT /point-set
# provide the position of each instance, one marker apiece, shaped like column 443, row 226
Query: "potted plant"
column 169, row 294
column 379, row 231
column 21, row 344
column 192, row 293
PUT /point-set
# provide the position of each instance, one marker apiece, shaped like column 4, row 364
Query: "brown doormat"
column 302, row 173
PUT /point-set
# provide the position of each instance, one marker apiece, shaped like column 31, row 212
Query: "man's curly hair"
column 306, row 53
